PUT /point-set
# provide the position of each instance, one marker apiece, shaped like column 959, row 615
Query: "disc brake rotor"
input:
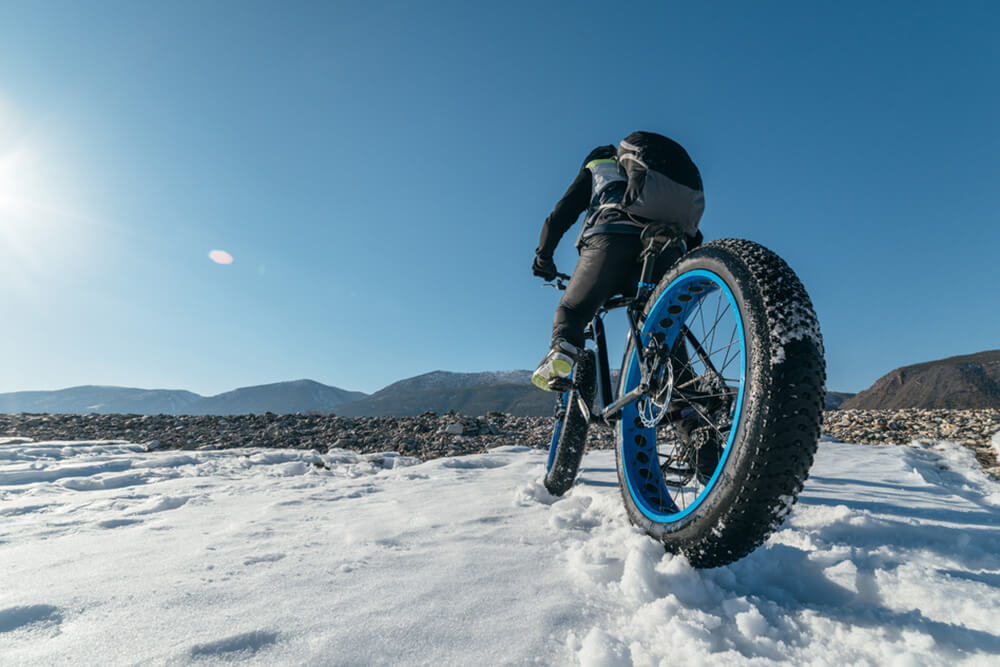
column 652, row 406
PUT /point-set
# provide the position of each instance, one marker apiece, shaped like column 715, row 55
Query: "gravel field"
column 431, row 435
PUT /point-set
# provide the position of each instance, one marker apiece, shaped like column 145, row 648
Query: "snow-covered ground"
column 112, row 555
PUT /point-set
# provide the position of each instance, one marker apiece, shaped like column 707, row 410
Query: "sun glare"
column 39, row 228
column 15, row 207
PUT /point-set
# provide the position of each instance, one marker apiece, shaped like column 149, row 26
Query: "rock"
column 487, row 428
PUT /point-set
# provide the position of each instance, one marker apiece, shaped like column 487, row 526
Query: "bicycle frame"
column 610, row 404
column 595, row 331
column 656, row 237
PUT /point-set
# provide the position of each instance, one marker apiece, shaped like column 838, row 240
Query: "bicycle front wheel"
column 713, row 456
column 569, row 435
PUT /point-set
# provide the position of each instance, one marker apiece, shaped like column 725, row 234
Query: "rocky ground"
column 431, row 435
column 971, row 428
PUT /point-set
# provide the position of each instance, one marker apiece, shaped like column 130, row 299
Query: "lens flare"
column 220, row 257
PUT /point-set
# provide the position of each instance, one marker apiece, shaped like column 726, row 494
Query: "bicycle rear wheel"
column 712, row 458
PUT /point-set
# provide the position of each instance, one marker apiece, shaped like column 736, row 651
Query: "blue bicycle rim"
column 640, row 461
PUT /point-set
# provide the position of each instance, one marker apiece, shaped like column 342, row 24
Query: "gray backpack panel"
column 662, row 199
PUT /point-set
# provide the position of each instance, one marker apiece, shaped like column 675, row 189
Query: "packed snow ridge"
column 117, row 555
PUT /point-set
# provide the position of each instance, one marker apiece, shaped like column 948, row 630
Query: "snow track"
column 114, row 555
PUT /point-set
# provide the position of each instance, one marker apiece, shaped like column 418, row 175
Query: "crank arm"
column 616, row 407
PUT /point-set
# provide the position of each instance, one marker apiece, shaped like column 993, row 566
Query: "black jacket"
column 578, row 196
column 567, row 210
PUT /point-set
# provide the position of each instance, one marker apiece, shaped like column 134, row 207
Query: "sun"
column 15, row 207
column 39, row 226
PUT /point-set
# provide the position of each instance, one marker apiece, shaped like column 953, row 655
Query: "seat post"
column 648, row 267
column 655, row 237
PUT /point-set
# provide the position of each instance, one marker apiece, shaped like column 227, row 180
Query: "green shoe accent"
column 540, row 382
column 557, row 365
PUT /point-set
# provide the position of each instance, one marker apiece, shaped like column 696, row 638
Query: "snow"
column 797, row 324
column 115, row 555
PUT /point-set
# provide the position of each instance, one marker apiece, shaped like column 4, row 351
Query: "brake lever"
column 559, row 282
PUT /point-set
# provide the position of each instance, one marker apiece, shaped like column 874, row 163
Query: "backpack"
column 664, row 185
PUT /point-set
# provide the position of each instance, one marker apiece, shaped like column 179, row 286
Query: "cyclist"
column 609, row 244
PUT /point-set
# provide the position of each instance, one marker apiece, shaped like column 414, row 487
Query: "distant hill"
column 98, row 399
column 280, row 397
column 450, row 380
column 468, row 393
column 964, row 382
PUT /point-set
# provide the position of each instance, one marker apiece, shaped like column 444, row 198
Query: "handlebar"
column 560, row 281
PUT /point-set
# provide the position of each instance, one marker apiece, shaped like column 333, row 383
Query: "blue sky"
column 380, row 173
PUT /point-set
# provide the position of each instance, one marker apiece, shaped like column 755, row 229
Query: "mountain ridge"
column 290, row 396
column 94, row 398
column 469, row 393
column 965, row 381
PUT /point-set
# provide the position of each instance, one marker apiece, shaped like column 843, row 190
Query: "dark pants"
column 609, row 264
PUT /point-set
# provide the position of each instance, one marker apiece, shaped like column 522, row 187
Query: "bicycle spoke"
column 705, row 418
column 719, row 395
column 718, row 305
column 701, row 314
column 705, row 359
column 732, row 338
column 715, row 324
column 724, row 347
column 700, row 396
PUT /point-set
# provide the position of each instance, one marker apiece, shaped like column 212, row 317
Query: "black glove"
column 544, row 267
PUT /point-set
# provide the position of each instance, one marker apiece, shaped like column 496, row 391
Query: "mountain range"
column 438, row 391
column 280, row 397
column 969, row 381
